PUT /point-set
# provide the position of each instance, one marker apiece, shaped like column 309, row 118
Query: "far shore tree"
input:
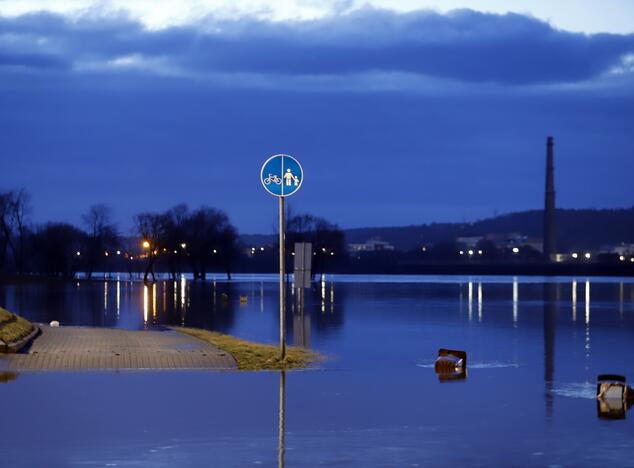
column 327, row 239
column 101, row 237
column 152, row 228
column 211, row 241
column 58, row 249
column 15, row 208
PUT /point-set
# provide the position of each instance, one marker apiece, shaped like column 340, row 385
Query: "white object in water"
column 54, row 323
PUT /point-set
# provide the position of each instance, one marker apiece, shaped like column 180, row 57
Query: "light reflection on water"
column 532, row 368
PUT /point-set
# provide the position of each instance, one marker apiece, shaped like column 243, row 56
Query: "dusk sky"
column 401, row 112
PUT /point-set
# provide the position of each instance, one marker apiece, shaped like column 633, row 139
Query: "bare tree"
column 14, row 211
column 5, row 227
column 175, row 238
column 58, row 249
column 102, row 235
column 327, row 239
column 152, row 227
column 211, row 241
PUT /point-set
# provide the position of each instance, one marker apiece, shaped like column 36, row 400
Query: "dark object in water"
column 7, row 376
column 451, row 364
column 613, row 396
column 450, row 359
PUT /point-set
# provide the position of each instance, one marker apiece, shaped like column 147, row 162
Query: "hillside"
column 576, row 229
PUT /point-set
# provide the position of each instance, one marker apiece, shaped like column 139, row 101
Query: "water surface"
column 535, row 348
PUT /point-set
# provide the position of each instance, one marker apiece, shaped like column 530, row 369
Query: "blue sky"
column 400, row 113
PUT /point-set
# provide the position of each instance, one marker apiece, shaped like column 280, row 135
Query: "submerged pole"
column 282, row 287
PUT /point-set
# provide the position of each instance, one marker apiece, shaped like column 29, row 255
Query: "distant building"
column 469, row 242
column 622, row 249
column 510, row 241
column 372, row 245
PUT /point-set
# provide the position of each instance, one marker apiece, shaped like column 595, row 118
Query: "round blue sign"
column 282, row 175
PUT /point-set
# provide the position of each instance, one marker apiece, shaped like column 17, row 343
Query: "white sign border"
column 283, row 156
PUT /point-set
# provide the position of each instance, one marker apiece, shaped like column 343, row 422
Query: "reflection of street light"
column 146, row 244
column 515, row 250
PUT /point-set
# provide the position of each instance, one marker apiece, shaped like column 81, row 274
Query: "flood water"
column 535, row 347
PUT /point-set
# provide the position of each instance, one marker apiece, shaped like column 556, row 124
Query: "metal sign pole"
column 282, row 175
column 282, row 288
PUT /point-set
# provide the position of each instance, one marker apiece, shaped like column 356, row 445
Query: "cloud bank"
column 463, row 46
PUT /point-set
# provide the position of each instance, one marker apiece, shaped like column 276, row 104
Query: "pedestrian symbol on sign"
column 289, row 177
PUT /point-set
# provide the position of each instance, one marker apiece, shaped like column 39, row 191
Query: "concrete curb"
column 12, row 348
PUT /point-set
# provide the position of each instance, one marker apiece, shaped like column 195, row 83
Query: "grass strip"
column 13, row 331
column 255, row 356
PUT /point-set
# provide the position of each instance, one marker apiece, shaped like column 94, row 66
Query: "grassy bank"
column 13, row 327
column 255, row 356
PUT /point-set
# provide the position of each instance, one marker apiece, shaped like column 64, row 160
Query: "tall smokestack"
column 549, row 207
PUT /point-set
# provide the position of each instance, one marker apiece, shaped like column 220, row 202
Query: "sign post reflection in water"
column 282, row 420
column 282, row 175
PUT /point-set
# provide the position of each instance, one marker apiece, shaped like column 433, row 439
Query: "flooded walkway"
column 75, row 348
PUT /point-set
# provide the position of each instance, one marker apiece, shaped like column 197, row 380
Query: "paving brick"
column 97, row 348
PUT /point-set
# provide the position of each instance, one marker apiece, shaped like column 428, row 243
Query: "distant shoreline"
column 423, row 269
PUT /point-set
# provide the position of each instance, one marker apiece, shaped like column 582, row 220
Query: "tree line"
column 174, row 241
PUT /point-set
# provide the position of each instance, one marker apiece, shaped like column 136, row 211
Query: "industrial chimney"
column 549, row 207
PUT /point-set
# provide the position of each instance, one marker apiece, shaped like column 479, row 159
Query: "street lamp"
column 146, row 244
column 516, row 250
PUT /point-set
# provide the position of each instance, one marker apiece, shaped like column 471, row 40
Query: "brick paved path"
column 109, row 348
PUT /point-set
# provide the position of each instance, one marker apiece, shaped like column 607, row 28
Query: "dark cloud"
column 31, row 60
column 463, row 45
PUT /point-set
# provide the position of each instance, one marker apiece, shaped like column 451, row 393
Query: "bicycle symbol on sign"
column 272, row 178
